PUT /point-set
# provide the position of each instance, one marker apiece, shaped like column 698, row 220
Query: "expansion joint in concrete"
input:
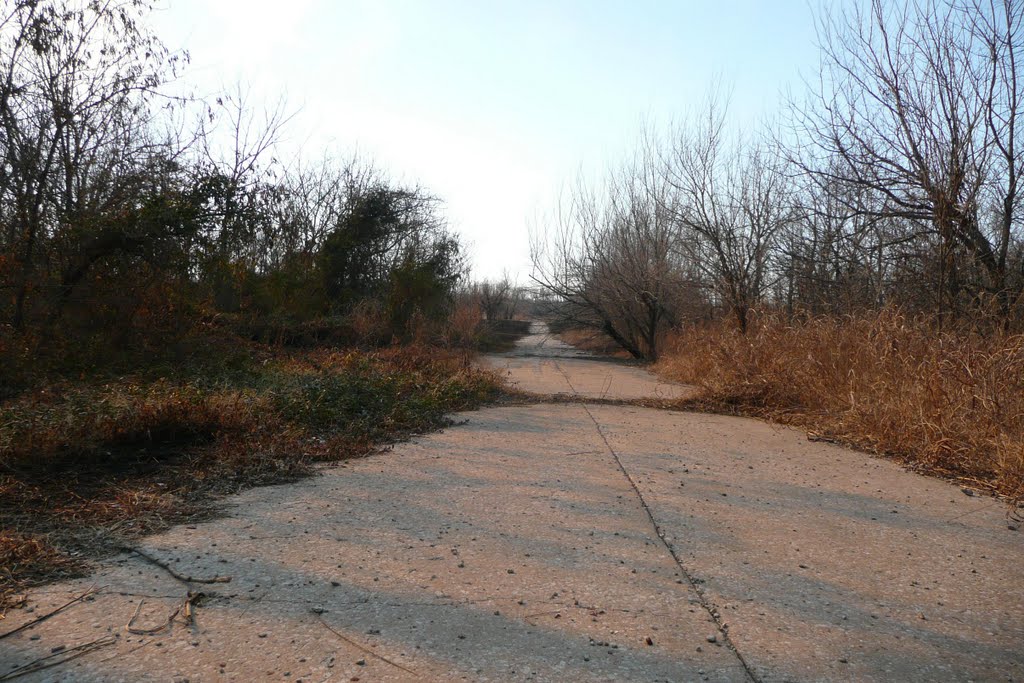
column 705, row 602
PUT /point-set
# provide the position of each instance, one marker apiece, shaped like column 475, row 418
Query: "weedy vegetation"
column 87, row 463
column 949, row 403
column 182, row 314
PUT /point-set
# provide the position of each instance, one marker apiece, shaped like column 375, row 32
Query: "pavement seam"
column 706, row 603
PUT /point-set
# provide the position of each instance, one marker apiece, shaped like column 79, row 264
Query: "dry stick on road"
column 46, row 616
column 58, row 658
column 179, row 577
column 363, row 649
column 186, row 607
column 166, row 626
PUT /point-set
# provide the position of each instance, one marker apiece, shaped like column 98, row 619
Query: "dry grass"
column 950, row 404
column 85, row 465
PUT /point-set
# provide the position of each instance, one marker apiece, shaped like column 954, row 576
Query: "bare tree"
column 996, row 29
column 609, row 259
column 77, row 83
column 493, row 297
column 917, row 104
column 731, row 201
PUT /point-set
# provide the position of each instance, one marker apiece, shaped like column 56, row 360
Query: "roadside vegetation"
column 855, row 266
column 88, row 464
column 183, row 315
column 949, row 403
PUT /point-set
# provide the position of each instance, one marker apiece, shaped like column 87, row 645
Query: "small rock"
column 712, row 638
column 649, row 640
column 360, row 662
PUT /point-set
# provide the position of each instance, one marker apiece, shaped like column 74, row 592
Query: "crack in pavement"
column 705, row 602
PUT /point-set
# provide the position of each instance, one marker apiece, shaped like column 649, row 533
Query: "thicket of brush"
column 948, row 402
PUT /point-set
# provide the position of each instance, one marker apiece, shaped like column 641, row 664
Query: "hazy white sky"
column 491, row 104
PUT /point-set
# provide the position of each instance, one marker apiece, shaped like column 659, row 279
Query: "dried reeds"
column 950, row 402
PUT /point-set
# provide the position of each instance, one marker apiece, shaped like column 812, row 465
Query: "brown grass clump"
column 86, row 465
column 950, row 403
column 22, row 556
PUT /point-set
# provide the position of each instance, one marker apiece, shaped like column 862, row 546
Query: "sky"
column 492, row 105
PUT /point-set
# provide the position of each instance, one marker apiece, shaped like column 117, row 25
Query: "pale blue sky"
column 492, row 105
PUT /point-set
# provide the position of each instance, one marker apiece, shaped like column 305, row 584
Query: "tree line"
column 892, row 180
column 128, row 208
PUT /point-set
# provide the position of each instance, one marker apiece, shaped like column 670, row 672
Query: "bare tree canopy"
column 610, row 258
column 915, row 117
column 895, row 180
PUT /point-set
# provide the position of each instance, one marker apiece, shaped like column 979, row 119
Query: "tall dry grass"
column 951, row 403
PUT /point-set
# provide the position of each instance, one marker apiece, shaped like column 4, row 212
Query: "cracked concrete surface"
column 562, row 543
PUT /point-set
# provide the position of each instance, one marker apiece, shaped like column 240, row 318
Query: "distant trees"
column 896, row 181
column 498, row 299
column 731, row 200
column 611, row 261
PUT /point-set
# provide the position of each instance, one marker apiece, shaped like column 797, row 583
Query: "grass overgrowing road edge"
column 87, row 465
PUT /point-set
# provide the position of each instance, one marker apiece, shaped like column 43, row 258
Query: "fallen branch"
column 8, row 603
column 58, row 658
column 176, row 575
column 46, row 616
column 186, row 609
column 364, row 649
column 130, row 626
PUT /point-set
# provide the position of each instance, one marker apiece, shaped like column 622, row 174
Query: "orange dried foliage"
column 951, row 403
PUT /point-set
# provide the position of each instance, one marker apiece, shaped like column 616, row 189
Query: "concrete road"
column 543, row 364
column 567, row 542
